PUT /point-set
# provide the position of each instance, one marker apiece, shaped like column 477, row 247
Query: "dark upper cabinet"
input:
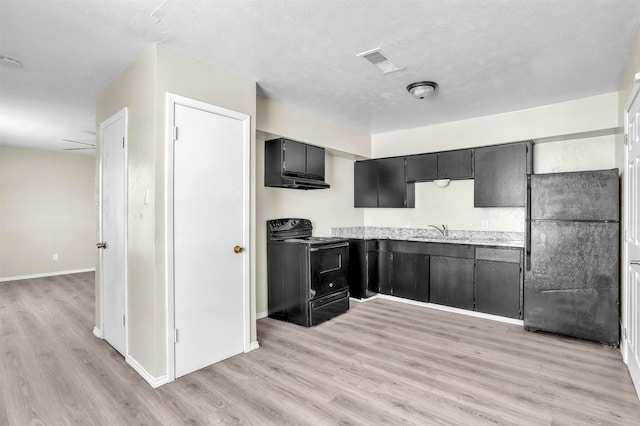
column 501, row 174
column 292, row 164
column 451, row 282
column 440, row 165
column 315, row 161
column 455, row 164
column 365, row 183
column 423, row 167
column 294, row 158
column 382, row 183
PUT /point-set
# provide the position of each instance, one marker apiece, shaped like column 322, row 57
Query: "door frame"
column 626, row 316
column 123, row 113
column 171, row 101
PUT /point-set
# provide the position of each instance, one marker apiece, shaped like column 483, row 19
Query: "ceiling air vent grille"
column 378, row 59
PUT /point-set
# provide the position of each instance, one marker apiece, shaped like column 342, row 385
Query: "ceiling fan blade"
column 82, row 143
column 74, row 149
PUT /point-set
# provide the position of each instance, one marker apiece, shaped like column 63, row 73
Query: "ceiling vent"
column 379, row 60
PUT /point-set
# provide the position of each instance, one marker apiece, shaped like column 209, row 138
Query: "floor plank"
column 383, row 362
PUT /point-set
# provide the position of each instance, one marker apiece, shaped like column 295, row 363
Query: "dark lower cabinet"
column 411, row 276
column 363, row 268
column 404, row 275
column 499, row 281
column 497, row 288
column 451, row 282
column 481, row 278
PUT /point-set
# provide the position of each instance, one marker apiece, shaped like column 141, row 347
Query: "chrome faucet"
column 444, row 231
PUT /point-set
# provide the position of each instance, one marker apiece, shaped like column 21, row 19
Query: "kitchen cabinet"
column 403, row 272
column 382, row 183
column 498, row 281
column 363, row 268
column 292, row 164
column 451, row 282
column 440, row 165
column 500, row 178
column 422, row 167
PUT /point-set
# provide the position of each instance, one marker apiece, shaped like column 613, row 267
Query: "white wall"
column 47, row 206
column 576, row 135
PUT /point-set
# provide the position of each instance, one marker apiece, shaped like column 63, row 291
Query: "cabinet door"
column 315, row 161
column 385, row 271
column 498, row 288
column 423, row 167
column 392, row 182
column 357, row 274
column 365, row 183
column 501, row 175
column 451, row 282
column 372, row 274
column 294, row 158
column 410, row 277
column 455, row 164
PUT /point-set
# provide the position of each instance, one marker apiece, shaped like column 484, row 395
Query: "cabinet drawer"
column 449, row 250
column 498, row 255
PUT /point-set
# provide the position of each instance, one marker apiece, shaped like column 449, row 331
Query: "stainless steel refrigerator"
column 571, row 281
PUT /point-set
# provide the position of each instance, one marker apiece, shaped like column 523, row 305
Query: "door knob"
column 238, row 249
column 102, row 245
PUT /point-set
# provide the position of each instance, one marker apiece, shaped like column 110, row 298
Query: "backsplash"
column 408, row 233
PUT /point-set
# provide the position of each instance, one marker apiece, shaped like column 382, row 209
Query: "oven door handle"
column 330, row 246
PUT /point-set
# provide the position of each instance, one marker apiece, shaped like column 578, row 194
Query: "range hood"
column 294, row 165
column 301, row 183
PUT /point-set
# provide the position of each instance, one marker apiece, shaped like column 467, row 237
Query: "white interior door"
column 112, row 230
column 210, row 213
column 631, row 265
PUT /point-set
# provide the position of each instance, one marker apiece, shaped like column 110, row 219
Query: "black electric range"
column 307, row 275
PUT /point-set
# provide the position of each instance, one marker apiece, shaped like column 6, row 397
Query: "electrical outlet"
column 484, row 224
column 55, row 256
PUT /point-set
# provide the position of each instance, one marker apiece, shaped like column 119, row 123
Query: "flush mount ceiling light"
column 422, row 89
column 9, row 61
column 442, row 183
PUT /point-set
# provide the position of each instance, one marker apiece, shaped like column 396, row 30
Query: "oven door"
column 328, row 269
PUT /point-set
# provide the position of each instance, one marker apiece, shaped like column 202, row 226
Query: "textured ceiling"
column 488, row 56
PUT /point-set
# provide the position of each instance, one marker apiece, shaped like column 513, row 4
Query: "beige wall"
column 47, row 206
column 135, row 90
column 578, row 135
column 142, row 89
column 326, row 208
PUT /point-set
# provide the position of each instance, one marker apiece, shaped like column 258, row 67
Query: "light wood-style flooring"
column 383, row 362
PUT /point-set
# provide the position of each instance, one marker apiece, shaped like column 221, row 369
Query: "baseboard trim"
column 46, row 274
column 253, row 346
column 97, row 332
column 261, row 315
column 450, row 309
column 153, row 381
column 355, row 299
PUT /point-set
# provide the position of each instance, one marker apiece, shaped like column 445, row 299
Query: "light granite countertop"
column 478, row 238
